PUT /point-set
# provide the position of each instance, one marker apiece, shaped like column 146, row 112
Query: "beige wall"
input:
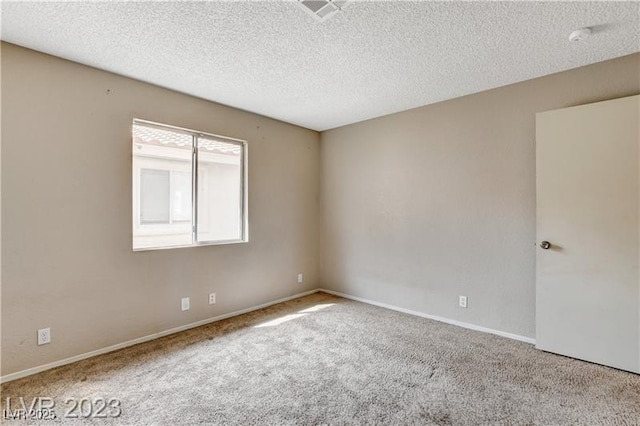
column 416, row 208
column 66, row 213
column 429, row 204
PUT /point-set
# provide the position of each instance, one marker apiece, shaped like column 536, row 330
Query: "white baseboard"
column 34, row 370
column 433, row 317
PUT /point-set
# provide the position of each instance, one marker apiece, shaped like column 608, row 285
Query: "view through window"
column 189, row 188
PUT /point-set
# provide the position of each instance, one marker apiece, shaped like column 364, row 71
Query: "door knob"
column 545, row 245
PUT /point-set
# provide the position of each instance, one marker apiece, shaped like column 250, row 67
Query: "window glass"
column 154, row 196
column 170, row 165
column 220, row 198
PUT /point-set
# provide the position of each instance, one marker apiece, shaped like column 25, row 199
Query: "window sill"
column 216, row 243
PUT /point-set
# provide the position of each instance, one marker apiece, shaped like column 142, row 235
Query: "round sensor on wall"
column 580, row 34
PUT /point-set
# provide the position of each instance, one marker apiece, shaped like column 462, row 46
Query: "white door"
column 588, row 210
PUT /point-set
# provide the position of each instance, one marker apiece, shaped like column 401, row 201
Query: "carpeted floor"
column 327, row 360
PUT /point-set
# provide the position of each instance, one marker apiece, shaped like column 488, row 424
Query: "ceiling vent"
column 322, row 9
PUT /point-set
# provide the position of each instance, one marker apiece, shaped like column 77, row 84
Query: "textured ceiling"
column 370, row 59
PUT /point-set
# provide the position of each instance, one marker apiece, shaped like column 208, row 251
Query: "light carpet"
column 322, row 359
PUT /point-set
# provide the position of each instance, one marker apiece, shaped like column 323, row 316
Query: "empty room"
column 320, row 212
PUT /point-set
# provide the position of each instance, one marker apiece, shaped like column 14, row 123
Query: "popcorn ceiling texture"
column 339, row 362
column 371, row 59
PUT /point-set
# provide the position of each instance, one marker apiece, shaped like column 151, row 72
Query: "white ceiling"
column 373, row 58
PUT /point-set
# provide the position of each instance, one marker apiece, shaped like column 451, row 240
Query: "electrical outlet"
column 463, row 301
column 300, row 278
column 212, row 298
column 44, row 336
column 186, row 303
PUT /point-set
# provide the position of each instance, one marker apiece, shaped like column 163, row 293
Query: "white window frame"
column 244, row 181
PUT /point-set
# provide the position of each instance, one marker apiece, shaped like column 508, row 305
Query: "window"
column 189, row 188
